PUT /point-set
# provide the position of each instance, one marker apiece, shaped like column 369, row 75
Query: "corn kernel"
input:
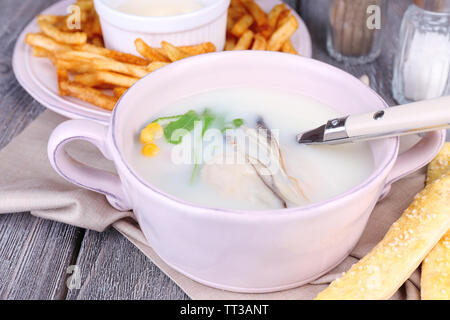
column 155, row 129
column 150, row 150
column 146, row 136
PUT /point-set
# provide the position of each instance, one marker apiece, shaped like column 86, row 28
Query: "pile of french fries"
column 90, row 72
column 250, row 28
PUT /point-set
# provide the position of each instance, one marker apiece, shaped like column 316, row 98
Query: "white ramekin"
column 120, row 30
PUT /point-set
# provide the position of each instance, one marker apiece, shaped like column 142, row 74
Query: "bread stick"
column 435, row 280
column 383, row 270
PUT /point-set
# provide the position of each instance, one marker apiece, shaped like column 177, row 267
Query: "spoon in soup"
column 416, row 117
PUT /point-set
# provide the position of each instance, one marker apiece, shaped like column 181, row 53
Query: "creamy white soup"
column 242, row 153
column 159, row 8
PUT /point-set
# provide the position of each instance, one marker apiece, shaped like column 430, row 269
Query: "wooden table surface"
column 35, row 253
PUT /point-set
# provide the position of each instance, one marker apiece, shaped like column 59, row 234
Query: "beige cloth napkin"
column 28, row 183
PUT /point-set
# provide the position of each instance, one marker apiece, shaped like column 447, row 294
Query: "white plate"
column 37, row 75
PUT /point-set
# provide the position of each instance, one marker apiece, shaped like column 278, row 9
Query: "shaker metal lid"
column 434, row 5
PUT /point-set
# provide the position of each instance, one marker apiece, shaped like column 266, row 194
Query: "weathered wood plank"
column 17, row 108
column 112, row 268
column 34, row 257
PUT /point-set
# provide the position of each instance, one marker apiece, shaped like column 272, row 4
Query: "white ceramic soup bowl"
column 120, row 29
column 257, row 251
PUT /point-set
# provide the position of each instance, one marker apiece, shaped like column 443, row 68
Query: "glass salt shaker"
column 422, row 63
column 355, row 32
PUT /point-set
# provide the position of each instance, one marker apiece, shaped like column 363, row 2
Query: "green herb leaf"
column 238, row 122
column 186, row 122
column 163, row 121
column 208, row 119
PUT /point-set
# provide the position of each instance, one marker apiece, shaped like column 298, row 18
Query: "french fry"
column 50, row 18
column 60, row 36
column 288, row 47
column 39, row 52
column 90, row 95
column 62, row 75
column 96, row 41
column 97, row 27
column 201, row 48
column 87, row 79
column 435, row 280
column 83, row 56
column 44, row 42
column 84, row 16
column 74, row 66
column 235, row 13
column 85, row 5
column 119, row 91
column 274, row 14
column 242, row 25
column 119, row 67
column 92, row 26
column 259, row 43
column 148, row 52
column 105, row 86
column 260, row 17
column 235, row 3
column 230, row 43
column 282, row 34
column 116, row 79
column 283, row 18
column 173, row 52
column 116, row 55
column 383, row 270
column 68, row 24
column 265, row 30
column 230, row 24
column 88, row 13
column 244, row 41
column 124, row 57
column 156, row 65
column 256, row 11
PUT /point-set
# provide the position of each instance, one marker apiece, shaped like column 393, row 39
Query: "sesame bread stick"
column 383, row 270
column 435, row 280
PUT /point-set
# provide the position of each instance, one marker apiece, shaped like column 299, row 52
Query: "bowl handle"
column 415, row 158
column 79, row 174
